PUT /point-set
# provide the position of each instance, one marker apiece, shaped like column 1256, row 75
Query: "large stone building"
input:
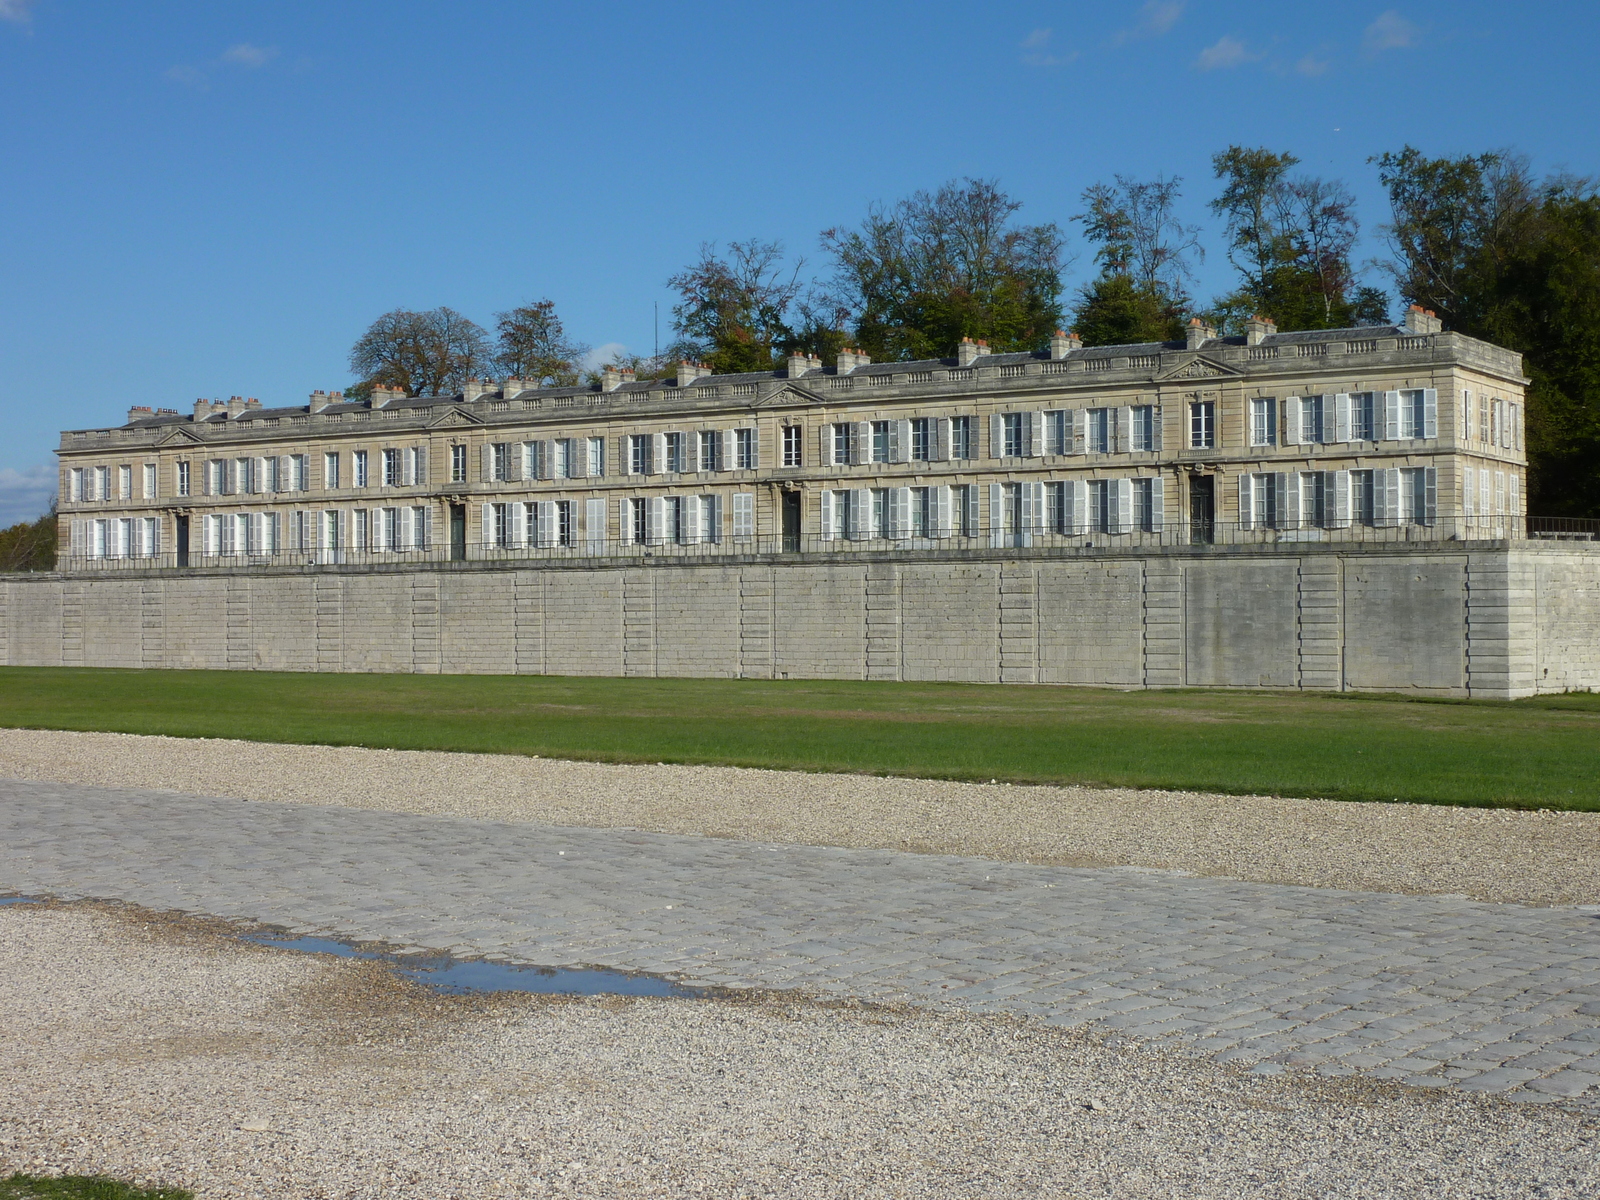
column 1387, row 433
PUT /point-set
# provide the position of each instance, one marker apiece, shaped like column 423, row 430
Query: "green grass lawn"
column 81, row 1187
column 1542, row 753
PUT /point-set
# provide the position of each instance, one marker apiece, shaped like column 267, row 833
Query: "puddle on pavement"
column 456, row 976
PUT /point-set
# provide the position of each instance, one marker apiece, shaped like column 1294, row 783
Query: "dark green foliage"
column 1115, row 311
column 1501, row 257
column 1535, row 753
column 30, row 545
column 734, row 311
column 917, row 277
column 532, row 343
column 82, row 1187
column 422, row 353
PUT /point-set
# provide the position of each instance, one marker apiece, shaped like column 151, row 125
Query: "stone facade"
column 1399, row 432
column 1475, row 619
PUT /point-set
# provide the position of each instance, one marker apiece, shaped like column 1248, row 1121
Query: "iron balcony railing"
column 1063, row 542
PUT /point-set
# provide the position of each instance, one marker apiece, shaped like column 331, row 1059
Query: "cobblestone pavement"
column 1430, row 990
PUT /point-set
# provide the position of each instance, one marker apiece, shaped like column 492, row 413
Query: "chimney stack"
column 1423, row 320
column 139, row 412
column 799, row 364
column 473, row 389
column 515, row 385
column 320, row 400
column 1199, row 333
column 610, row 377
column 627, row 374
column 382, row 394
column 1063, row 343
column 967, row 352
column 1258, row 328
column 688, row 372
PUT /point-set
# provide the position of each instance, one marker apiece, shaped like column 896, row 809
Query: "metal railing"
column 1051, row 541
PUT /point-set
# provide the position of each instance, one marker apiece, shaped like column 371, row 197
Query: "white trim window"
column 922, row 439
column 746, row 442
column 182, row 482
column 676, row 454
column 458, row 463
column 921, row 505
column 75, row 484
column 709, row 450
column 125, row 482
column 843, row 431
column 638, row 454
column 1264, row 421
column 1202, row 425
column 1058, row 432
column 1363, row 417
column 102, row 483
column 792, row 439
column 961, row 438
column 330, row 472
column 1014, row 435
column 1142, row 431
column 1363, row 499
column 150, row 481
column 1098, row 426
column 358, row 469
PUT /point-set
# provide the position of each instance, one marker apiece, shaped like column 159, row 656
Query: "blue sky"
column 215, row 199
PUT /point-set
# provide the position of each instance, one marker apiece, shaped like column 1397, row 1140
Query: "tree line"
column 1497, row 253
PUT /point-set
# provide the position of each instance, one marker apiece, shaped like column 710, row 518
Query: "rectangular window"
column 1264, row 421
column 297, row 473
column 1313, row 498
column 149, row 481
column 880, row 441
column 836, row 515
column 1142, row 436
column 1311, row 420
column 561, row 466
column 1361, row 417
column 1202, row 425
column 960, row 437
column 458, row 464
column 416, row 467
column 1101, row 514
column 597, row 457
column 183, row 484
column 1411, row 413
column 1098, row 431
column 744, row 514
column 965, row 498
column 638, row 521
column 1057, row 432
column 673, row 524
column 125, row 483
column 1144, row 505
column 747, row 449
column 878, row 519
column 102, row 483
column 921, row 439
column 675, row 455
column 500, row 462
column 1414, row 496
column 358, row 462
column 503, row 521
column 1055, row 507
column 1263, row 502
column 791, row 445
column 563, row 522
column 639, row 454
column 841, row 443
column 241, row 476
column 1014, row 434
column 710, row 447
column 75, row 483
column 921, row 513
column 1483, row 420
column 330, row 471
column 1362, row 509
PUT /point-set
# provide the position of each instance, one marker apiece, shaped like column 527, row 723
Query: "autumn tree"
column 30, row 545
column 733, row 310
column 430, row 353
column 532, row 343
column 1144, row 250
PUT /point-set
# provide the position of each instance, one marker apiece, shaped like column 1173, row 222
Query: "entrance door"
column 181, row 541
column 791, row 521
column 1202, row 509
column 458, row 532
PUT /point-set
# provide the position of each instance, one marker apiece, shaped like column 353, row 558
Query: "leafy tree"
column 1517, row 262
column 1143, row 252
column 533, row 344
column 423, row 353
column 919, row 276
column 30, row 545
column 1290, row 239
column 733, row 312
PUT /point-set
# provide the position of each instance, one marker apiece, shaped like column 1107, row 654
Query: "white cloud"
column 15, row 10
column 1155, row 18
column 601, row 355
column 246, row 55
column 1227, row 52
column 25, row 495
column 1040, row 56
column 1390, row 31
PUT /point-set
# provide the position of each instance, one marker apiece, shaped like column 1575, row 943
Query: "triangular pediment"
column 454, row 416
column 177, row 434
column 789, row 394
column 1200, row 367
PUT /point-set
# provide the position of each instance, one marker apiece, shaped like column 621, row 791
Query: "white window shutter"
column 79, row 538
column 1292, row 411
column 899, row 441
column 1158, row 504
column 1247, row 508
column 997, row 513
column 1469, row 505
column 486, row 461
column 408, row 527
column 744, row 514
column 997, row 436
column 420, row 470
column 1079, row 419
column 940, row 450
column 825, row 444
column 1430, row 485
column 729, row 459
column 1513, row 495
column 828, row 515
column 859, row 520
column 1505, row 425
column 1121, row 491
column 655, row 520
column 691, row 523
column 899, row 512
column 580, row 458
column 258, row 476
column 1430, row 412
column 1338, row 492
column 1280, row 495
column 1391, row 415
column 713, row 518
column 861, row 443
column 1036, row 430
column 1122, row 437
column 548, row 530
column 488, row 525
column 594, row 525
column 1341, row 416
column 939, row 511
column 1033, row 507
column 1289, row 505
column 658, row 454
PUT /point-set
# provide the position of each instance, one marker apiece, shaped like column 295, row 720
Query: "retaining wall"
column 1497, row 621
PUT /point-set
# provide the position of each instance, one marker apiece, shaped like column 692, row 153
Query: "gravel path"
column 156, row 1049
column 1486, row 854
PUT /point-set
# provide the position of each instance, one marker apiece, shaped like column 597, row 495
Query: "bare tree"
column 423, row 353
column 1139, row 235
column 533, row 344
